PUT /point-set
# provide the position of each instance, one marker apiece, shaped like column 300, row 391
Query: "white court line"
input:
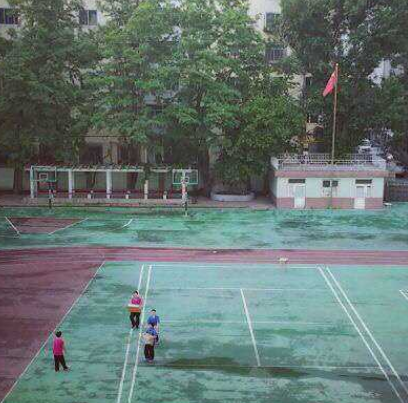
column 285, row 289
column 368, row 331
column 403, row 293
column 122, row 378
column 361, row 335
column 56, row 327
column 128, row 223
column 260, row 322
column 251, row 330
column 278, row 366
column 68, row 226
column 132, row 386
column 232, row 265
column 233, row 289
column 14, row 227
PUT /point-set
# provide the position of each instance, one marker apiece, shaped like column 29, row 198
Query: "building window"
column 88, row 17
column 8, row 16
column 330, row 188
column 271, row 21
column 274, row 53
column 364, row 181
column 92, row 154
column 329, row 184
column 291, row 181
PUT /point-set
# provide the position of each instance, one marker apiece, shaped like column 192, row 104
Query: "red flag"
column 330, row 84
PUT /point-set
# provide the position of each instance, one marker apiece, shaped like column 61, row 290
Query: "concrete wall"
column 346, row 188
column 319, row 197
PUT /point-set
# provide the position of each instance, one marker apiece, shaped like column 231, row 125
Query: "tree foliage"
column 224, row 83
column 42, row 99
column 357, row 35
column 130, row 81
column 189, row 77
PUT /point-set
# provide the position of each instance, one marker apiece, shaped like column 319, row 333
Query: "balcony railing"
column 316, row 162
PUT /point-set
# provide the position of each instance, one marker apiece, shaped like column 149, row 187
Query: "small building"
column 313, row 181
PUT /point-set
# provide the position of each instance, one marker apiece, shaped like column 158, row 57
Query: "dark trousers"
column 59, row 359
column 135, row 319
column 149, row 352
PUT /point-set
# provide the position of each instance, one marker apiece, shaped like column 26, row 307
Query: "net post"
column 70, row 184
column 146, row 189
column 108, row 184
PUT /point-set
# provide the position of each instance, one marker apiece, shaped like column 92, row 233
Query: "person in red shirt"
column 135, row 316
column 58, row 349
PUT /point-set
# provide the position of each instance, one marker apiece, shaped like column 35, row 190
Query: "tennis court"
column 233, row 332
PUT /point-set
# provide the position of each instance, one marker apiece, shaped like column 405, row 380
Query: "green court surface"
column 265, row 334
column 208, row 228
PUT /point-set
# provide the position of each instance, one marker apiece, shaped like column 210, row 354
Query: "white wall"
column 345, row 189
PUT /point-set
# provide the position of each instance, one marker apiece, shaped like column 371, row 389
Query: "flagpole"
column 334, row 114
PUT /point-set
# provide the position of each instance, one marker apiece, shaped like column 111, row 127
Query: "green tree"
column 393, row 92
column 269, row 119
column 221, row 72
column 348, row 32
column 130, row 81
column 42, row 99
column 266, row 116
column 202, row 103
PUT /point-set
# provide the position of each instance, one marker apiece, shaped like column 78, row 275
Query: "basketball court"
column 327, row 326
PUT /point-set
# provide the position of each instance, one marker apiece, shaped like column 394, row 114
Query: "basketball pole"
column 184, row 196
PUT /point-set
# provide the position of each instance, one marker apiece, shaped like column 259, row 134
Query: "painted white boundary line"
column 14, row 227
column 68, row 226
column 368, row 331
column 56, row 327
column 361, row 334
column 122, row 378
column 236, row 322
column 225, row 289
column 128, row 223
column 132, row 386
column 234, row 289
column 404, row 294
column 251, row 331
column 277, row 366
column 232, row 265
column 259, row 322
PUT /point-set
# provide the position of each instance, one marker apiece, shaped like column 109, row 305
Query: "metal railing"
column 315, row 162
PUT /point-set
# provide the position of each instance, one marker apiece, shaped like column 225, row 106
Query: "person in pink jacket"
column 58, row 349
column 135, row 316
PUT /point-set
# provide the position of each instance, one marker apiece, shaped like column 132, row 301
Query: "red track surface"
column 38, row 286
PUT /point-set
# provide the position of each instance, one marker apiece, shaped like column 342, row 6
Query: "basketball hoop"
column 187, row 176
column 45, row 179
